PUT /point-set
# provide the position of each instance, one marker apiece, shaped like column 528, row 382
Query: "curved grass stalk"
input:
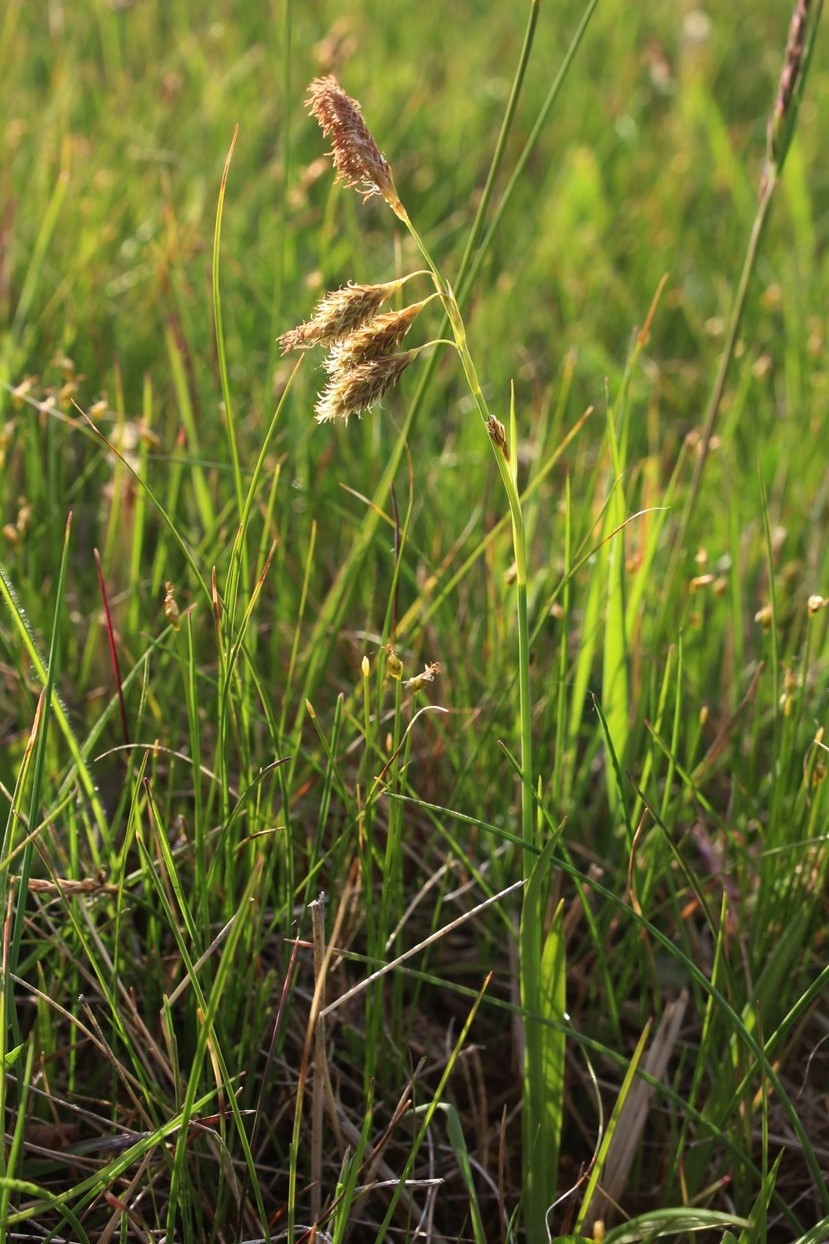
column 507, row 471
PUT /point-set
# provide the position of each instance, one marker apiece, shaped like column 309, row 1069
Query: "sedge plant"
column 363, row 363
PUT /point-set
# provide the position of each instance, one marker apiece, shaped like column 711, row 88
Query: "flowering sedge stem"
column 452, row 309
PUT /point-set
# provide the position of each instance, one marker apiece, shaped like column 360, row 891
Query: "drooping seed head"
column 355, row 389
column 337, row 315
column 357, row 158
column 378, row 337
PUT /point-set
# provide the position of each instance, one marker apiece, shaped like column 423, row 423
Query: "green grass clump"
column 413, row 825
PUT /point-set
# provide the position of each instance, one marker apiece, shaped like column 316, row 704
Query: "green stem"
column 506, row 470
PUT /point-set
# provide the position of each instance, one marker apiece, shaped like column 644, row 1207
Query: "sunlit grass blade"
column 55, row 708
column 670, row 1223
column 543, row 977
column 615, row 675
column 229, row 415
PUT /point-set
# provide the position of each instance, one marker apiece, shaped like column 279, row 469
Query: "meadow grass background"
column 155, row 1024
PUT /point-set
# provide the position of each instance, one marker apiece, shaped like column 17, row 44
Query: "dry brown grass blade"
column 634, row 1115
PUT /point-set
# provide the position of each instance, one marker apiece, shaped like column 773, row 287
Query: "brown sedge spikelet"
column 792, row 65
column 380, row 336
column 498, row 434
column 358, row 388
column 357, row 158
column 394, row 666
column 338, row 314
column 429, row 674
column 171, row 609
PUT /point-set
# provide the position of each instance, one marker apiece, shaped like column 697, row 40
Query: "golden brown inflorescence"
column 357, row 158
column 379, row 337
column 363, row 362
column 338, row 314
column 355, row 389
